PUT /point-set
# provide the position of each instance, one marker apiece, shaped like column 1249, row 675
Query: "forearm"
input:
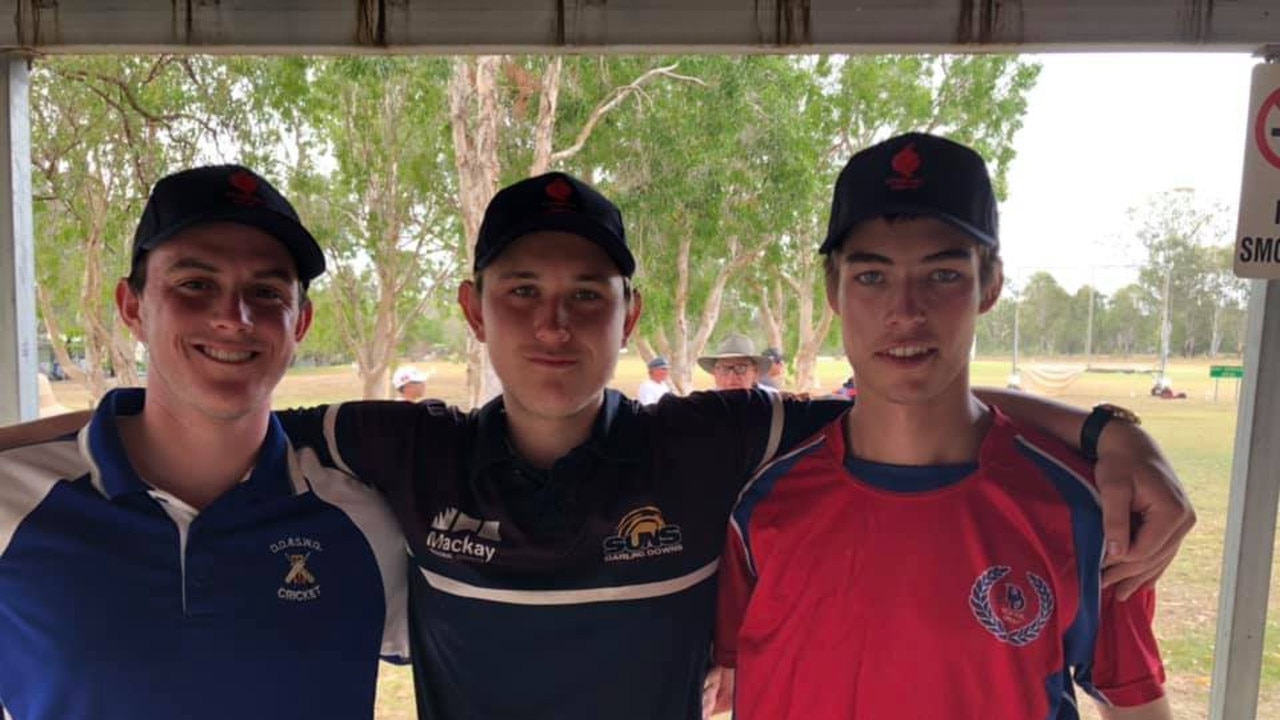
column 1157, row 710
column 1055, row 418
column 42, row 430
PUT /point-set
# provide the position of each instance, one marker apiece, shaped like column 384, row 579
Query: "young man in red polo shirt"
column 924, row 556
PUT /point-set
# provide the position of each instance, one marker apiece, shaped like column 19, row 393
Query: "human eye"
column 945, row 275
column 270, row 292
column 523, row 291
column 869, row 277
column 586, row 294
column 194, row 285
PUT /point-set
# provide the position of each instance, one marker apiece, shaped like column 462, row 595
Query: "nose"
column 905, row 306
column 552, row 321
column 233, row 312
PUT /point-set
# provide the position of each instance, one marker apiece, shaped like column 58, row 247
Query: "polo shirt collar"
column 608, row 438
column 115, row 476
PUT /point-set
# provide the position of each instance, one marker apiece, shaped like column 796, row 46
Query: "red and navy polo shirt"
column 860, row 591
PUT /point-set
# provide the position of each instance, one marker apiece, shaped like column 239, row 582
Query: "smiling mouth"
column 907, row 353
column 227, row 357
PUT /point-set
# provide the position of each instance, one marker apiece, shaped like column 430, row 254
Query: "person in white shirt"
column 656, row 386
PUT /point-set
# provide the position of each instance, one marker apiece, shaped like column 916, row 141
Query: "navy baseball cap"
column 225, row 193
column 554, row 201
column 658, row 362
column 915, row 174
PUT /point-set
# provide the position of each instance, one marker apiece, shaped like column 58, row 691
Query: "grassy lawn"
column 1197, row 433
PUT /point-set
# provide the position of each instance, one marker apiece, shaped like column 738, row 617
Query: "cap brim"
column 570, row 222
column 838, row 237
column 300, row 243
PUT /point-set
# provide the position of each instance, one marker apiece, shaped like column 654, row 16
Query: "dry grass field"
column 1196, row 432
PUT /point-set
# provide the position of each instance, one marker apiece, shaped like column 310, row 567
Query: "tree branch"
column 614, row 99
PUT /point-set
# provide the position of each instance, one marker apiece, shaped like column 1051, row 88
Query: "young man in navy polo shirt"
column 178, row 558
column 564, row 537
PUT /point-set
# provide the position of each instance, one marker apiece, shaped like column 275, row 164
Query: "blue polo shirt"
column 581, row 592
column 118, row 600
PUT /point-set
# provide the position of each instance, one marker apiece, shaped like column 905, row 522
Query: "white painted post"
column 18, row 361
column 1251, row 516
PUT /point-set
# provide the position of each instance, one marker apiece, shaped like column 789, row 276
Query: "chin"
column 555, row 402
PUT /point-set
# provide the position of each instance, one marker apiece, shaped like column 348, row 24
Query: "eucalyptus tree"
column 103, row 129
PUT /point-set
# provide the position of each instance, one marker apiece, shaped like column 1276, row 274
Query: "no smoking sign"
column 1258, row 230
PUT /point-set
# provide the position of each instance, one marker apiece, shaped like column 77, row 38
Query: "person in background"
column 735, row 365
column 652, row 390
column 776, row 377
column 410, row 383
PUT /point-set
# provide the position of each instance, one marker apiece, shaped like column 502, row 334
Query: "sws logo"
column 643, row 532
column 452, row 534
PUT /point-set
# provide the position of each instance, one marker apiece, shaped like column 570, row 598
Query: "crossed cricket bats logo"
column 298, row 573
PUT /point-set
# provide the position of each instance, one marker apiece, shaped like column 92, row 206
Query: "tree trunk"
column 811, row 334
column 473, row 112
column 544, row 131
column 681, row 364
column 56, row 340
column 773, row 309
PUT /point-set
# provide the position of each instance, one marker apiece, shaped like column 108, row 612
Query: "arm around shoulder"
column 1135, row 481
column 43, row 430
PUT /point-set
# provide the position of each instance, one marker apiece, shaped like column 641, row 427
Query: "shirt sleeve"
column 375, row 441
column 1127, row 670
column 751, row 427
column 735, row 585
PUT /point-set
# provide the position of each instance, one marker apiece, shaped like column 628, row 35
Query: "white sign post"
column 1255, row 484
column 1258, row 229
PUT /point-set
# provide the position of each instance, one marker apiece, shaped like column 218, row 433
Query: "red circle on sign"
column 1260, row 128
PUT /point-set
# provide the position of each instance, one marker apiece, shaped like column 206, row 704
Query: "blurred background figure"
column 776, row 378
column 410, row 383
column 49, row 404
column 735, row 364
column 656, row 386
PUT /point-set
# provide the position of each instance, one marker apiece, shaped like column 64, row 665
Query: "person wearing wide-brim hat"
column 735, row 364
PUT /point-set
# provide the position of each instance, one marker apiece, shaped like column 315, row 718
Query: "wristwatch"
column 1102, row 414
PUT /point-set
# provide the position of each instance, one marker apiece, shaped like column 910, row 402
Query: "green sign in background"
column 1226, row 371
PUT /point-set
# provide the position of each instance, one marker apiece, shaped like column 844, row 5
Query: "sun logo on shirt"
column 1000, row 606
column 643, row 532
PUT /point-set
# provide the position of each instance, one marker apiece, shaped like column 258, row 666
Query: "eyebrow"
column 192, row 263
column 960, row 253
column 600, row 278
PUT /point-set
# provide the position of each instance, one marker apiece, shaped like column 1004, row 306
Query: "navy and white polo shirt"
column 121, row 601
column 579, row 593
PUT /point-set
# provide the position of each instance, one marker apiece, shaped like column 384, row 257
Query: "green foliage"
column 103, row 130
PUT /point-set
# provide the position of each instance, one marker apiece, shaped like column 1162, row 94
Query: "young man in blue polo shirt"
column 564, row 538
column 178, row 558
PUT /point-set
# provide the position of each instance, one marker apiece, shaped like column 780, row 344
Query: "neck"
column 940, row 432
column 196, row 459
column 542, row 440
